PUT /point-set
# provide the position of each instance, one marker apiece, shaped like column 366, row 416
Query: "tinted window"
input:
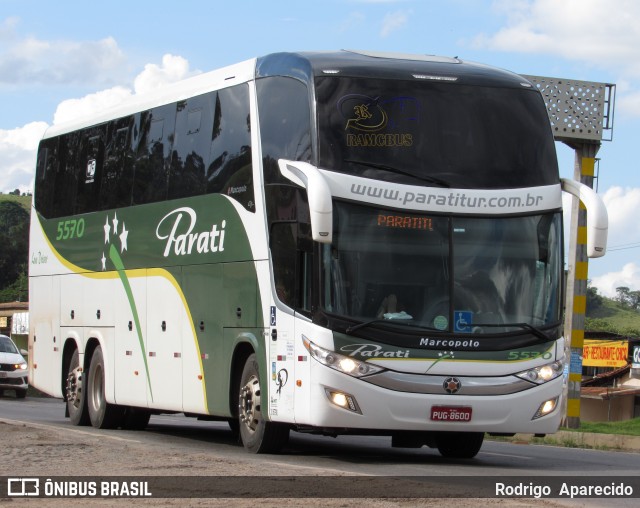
column 230, row 171
column 46, row 170
column 285, row 123
column 67, row 177
column 117, row 172
column 197, row 145
column 154, row 138
column 90, row 169
column 467, row 136
column 194, row 125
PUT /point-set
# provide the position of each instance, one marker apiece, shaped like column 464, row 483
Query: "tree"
column 14, row 241
column 594, row 300
column 634, row 300
column 623, row 295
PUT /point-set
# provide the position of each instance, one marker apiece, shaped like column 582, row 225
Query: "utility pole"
column 581, row 116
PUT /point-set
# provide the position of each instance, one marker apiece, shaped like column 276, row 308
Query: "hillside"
column 613, row 316
column 24, row 201
column 14, row 238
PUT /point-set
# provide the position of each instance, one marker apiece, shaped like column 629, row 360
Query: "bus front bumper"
column 342, row 401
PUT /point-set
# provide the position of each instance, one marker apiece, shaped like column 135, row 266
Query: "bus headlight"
column 544, row 373
column 339, row 362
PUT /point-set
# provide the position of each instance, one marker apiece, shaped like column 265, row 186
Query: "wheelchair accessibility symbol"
column 462, row 321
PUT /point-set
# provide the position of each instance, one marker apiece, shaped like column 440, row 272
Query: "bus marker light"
column 298, row 382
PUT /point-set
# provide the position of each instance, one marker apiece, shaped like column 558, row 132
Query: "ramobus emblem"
column 452, row 385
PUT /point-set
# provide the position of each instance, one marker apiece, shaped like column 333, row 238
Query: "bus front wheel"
column 257, row 434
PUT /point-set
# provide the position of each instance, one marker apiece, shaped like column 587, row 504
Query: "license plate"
column 450, row 413
column 3, row 374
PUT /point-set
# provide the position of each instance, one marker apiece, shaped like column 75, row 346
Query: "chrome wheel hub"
column 74, row 387
column 249, row 404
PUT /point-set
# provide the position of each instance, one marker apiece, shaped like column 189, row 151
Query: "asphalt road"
column 355, row 454
column 345, row 457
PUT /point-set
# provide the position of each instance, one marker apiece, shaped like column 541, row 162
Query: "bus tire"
column 257, row 434
column 75, row 392
column 102, row 414
column 459, row 445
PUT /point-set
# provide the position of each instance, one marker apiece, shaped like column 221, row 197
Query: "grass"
column 613, row 315
column 627, row 427
column 24, row 201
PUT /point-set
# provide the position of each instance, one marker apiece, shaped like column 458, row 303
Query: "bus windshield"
column 450, row 274
column 461, row 136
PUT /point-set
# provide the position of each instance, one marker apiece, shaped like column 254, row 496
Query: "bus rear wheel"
column 102, row 414
column 75, row 393
column 257, row 434
column 459, row 445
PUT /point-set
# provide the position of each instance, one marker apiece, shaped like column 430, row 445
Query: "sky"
column 60, row 60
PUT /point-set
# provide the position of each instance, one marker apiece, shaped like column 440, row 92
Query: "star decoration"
column 123, row 239
column 115, row 223
column 107, row 229
column 111, row 228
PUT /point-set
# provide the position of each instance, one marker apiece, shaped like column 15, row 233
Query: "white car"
column 13, row 368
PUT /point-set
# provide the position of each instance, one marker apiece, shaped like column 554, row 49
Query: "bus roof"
column 387, row 65
column 305, row 66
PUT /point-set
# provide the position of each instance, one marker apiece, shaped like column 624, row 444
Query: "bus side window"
column 230, row 170
column 285, row 123
column 90, row 169
column 46, row 170
column 66, row 180
column 155, row 142
column 117, row 172
column 190, row 156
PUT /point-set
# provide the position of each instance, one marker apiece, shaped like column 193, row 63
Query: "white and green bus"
column 331, row 243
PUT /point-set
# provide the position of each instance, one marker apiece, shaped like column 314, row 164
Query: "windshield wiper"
column 525, row 326
column 424, row 178
column 364, row 324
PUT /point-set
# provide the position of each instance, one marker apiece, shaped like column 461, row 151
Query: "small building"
column 610, row 382
column 14, row 322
